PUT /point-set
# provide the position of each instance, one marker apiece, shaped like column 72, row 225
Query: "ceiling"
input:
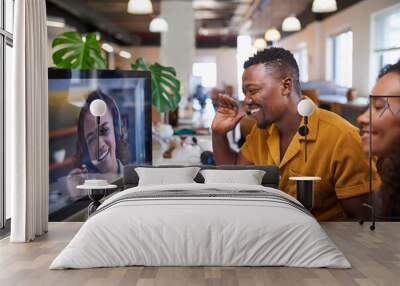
column 272, row 13
column 212, row 16
column 216, row 20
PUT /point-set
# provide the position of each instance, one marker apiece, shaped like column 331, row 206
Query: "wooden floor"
column 375, row 256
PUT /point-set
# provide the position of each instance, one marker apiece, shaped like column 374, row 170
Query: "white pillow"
column 248, row 177
column 164, row 176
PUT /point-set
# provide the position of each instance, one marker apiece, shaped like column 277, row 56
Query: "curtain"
column 27, row 124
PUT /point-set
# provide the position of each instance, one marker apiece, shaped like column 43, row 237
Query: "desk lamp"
column 305, row 184
column 305, row 108
column 98, row 108
column 96, row 187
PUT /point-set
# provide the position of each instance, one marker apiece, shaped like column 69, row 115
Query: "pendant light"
column 158, row 25
column 140, row 7
column 324, row 6
column 272, row 35
column 291, row 24
column 260, row 44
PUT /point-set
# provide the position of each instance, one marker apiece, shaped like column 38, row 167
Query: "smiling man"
column 272, row 91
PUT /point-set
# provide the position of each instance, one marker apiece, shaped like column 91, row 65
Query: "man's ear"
column 287, row 86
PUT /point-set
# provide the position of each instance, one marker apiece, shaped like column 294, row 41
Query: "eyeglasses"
column 381, row 103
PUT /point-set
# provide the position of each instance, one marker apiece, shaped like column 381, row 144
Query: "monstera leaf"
column 73, row 50
column 164, row 85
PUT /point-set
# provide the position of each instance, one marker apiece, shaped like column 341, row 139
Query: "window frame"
column 6, row 39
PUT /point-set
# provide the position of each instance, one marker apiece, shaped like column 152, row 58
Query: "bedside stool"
column 305, row 190
column 95, row 194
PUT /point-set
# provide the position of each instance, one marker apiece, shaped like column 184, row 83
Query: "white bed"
column 225, row 225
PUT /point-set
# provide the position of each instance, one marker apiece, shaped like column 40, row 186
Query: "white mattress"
column 190, row 231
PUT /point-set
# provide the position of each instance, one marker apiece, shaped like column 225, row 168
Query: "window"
column 207, row 72
column 340, row 57
column 386, row 40
column 6, row 43
column 302, row 61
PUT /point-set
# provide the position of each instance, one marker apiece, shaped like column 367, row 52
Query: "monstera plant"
column 165, row 87
column 74, row 50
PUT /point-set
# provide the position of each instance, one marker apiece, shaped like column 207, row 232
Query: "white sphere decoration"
column 98, row 107
column 305, row 107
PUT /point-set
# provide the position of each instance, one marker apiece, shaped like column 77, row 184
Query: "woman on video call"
column 112, row 144
column 385, row 138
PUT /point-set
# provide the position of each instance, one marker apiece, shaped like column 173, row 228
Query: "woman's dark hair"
column 389, row 167
column 389, row 172
column 390, row 68
column 82, row 152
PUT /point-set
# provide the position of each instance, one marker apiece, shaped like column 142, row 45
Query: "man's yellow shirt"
column 334, row 153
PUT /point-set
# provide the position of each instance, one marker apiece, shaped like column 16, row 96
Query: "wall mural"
column 124, row 129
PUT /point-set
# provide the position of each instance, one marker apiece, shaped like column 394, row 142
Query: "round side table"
column 95, row 194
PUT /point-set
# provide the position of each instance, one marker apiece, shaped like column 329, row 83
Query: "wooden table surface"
column 374, row 255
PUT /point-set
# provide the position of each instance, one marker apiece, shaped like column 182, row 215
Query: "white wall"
column 225, row 58
column 358, row 18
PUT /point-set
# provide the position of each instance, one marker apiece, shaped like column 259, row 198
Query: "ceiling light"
column 141, row 7
column 324, row 6
column 158, row 25
column 107, row 47
column 55, row 22
column 125, row 54
column 260, row 44
column 291, row 24
column 272, row 35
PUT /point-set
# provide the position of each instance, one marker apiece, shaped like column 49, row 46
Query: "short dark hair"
column 390, row 68
column 281, row 61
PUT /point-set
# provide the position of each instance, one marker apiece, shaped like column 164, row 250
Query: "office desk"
column 184, row 154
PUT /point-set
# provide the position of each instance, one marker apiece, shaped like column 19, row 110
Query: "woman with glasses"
column 381, row 132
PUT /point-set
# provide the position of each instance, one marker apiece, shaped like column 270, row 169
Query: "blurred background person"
column 201, row 96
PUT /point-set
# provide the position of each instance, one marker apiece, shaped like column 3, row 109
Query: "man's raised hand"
column 227, row 116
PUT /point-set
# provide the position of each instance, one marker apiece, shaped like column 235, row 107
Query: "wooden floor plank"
column 375, row 257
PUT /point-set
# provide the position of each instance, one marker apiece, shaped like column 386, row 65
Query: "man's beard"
column 263, row 124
